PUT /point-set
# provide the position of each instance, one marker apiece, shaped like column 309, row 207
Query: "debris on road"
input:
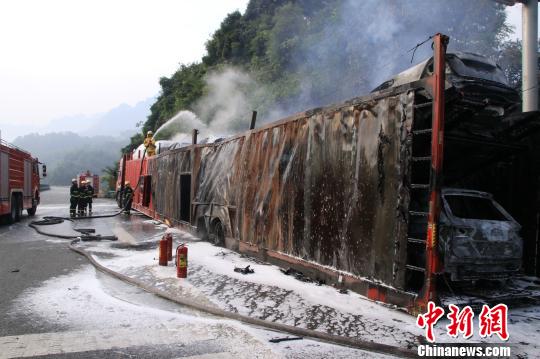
column 246, row 270
column 278, row 340
column 301, row 276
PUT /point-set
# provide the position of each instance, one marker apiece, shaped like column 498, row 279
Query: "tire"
column 19, row 208
column 12, row 216
column 218, row 234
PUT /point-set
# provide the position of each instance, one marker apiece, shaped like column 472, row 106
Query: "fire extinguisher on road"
column 169, row 239
column 181, row 261
column 162, row 252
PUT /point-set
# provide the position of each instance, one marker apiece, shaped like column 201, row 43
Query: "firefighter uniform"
column 128, row 197
column 89, row 196
column 150, row 144
column 81, row 205
column 74, row 198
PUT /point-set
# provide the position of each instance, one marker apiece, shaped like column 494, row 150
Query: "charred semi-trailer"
column 343, row 192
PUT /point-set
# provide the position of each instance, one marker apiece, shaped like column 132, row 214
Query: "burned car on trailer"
column 478, row 238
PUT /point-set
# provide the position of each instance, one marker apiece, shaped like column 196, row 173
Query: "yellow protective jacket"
column 150, row 145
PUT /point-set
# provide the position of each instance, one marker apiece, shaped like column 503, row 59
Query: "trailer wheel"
column 218, row 234
column 202, row 232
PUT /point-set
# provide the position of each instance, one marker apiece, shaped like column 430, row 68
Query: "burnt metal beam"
column 484, row 142
column 253, row 120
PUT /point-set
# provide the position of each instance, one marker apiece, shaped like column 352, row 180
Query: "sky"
column 63, row 58
column 66, row 57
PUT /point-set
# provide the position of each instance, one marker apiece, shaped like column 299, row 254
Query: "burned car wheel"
column 218, row 234
column 202, row 232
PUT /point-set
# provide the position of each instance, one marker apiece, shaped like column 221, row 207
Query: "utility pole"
column 530, row 55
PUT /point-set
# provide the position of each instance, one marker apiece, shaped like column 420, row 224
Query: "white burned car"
column 477, row 237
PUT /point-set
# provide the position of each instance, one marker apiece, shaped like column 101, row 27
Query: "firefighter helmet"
column 149, row 133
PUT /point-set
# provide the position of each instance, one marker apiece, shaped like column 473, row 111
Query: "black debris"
column 343, row 291
column 277, row 340
column 15, row 270
column 245, row 270
column 85, row 230
column 301, row 276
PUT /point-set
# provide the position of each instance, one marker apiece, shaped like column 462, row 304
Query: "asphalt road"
column 26, row 260
column 53, row 304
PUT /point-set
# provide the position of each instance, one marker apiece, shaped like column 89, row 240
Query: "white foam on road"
column 80, row 302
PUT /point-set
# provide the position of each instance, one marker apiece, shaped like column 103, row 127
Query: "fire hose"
column 50, row 220
column 84, row 236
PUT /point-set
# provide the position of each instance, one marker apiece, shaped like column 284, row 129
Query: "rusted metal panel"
column 216, row 180
column 166, row 171
column 326, row 186
column 323, row 187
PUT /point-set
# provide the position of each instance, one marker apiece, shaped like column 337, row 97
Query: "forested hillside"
column 283, row 56
column 85, row 153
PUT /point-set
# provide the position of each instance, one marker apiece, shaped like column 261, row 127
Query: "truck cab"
column 478, row 238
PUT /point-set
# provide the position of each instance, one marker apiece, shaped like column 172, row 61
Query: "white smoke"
column 231, row 96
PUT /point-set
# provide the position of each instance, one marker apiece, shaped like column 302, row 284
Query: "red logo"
column 429, row 320
column 460, row 321
column 494, row 321
column 490, row 321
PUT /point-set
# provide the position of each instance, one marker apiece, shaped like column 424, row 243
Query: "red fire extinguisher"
column 169, row 238
column 163, row 251
column 181, row 261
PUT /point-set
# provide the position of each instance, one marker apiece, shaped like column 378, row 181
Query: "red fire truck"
column 88, row 176
column 19, row 182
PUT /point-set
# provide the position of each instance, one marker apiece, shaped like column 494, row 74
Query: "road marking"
column 222, row 355
column 29, row 345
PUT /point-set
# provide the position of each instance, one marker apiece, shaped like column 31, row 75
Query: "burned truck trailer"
column 343, row 192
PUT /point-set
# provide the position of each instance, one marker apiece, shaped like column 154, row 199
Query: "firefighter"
column 150, row 144
column 82, row 199
column 74, row 197
column 128, row 197
column 89, row 196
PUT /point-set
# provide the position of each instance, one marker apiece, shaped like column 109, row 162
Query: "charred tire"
column 218, row 234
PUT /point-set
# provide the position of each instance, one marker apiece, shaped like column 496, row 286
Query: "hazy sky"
column 66, row 57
